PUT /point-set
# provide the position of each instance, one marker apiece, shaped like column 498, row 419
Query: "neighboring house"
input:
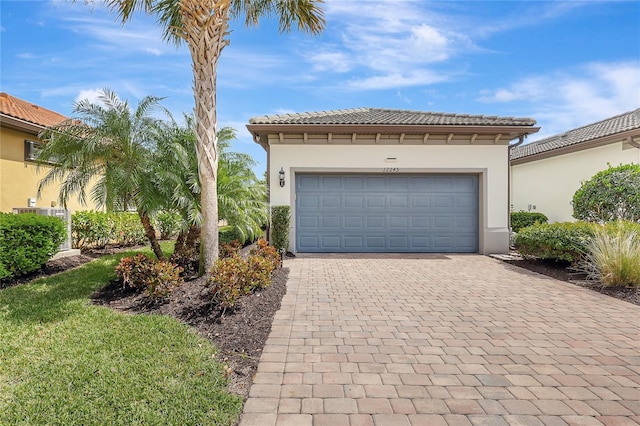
column 379, row 180
column 545, row 174
column 20, row 124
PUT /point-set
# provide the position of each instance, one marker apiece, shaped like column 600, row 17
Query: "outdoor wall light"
column 281, row 176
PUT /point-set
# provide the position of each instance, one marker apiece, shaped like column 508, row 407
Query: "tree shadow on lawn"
column 55, row 298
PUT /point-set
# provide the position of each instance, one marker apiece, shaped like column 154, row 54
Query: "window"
column 31, row 150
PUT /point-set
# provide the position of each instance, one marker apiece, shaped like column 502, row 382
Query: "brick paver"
column 443, row 340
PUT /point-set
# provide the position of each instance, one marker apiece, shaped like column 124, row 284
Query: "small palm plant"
column 613, row 258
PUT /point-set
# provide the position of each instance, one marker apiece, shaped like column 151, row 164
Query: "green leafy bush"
column 610, row 195
column 168, row 223
column 227, row 234
column 280, row 219
column 523, row 219
column 90, row 229
column 613, row 256
column 28, row 241
column 128, row 231
column 157, row 278
column 565, row 241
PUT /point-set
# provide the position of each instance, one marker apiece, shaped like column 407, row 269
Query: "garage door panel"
column 353, row 201
column 376, row 201
column 386, row 213
column 353, row 222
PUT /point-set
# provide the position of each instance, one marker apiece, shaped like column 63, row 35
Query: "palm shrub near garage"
column 280, row 219
column 610, row 195
column 523, row 219
column 28, row 241
column 157, row 278
column 566, row 241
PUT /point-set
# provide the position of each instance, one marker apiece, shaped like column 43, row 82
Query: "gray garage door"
column 358, row 213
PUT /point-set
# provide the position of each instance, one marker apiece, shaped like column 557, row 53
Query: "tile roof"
column 26, row 111
column 611, row 126
column 379, row 116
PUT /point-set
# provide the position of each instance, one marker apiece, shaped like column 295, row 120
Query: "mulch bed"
column 241, row 334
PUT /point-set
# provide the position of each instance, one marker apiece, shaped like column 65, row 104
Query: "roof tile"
column 379, row 116
column 23, row 110
column 611, row 126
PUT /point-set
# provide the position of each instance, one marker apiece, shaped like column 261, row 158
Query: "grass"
column 64, row 361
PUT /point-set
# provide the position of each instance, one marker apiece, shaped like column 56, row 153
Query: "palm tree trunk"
column 205, row 25
column 150, row 232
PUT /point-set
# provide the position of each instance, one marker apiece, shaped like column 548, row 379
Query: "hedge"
column 28, row 241
column 523, row 219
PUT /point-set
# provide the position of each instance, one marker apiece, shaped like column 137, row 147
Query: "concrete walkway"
column 444, row 340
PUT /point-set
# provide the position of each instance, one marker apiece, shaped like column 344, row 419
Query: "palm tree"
column 106, row 147
column 241, row 196
column 204, row 26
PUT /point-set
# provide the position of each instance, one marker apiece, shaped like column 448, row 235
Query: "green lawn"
column 64, row 361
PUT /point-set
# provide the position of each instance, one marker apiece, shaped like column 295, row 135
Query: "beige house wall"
column 19, row 179
column 547, row 185
column 488, row 162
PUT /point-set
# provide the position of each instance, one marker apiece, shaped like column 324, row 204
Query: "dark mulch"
column 562, row 271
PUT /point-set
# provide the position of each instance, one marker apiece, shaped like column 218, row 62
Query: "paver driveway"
column 444, row 340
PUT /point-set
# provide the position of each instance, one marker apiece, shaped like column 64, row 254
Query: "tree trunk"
column 150, row 232
column 205, row 25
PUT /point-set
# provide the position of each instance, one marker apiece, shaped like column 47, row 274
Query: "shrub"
column 610, row 195
column 260, row 270
column 230, row 249
column 229, row 281
column 523, row 219
column 270, row 253
column 168, row 223
column 558, row 241
column 28, row 241
column 91, row 229
column 128, row 231
column 280, row 218
column 227, row 234
column 157, row 278
column 613, row 256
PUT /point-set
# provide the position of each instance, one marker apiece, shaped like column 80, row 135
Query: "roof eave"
column 514, row 131
column 18, row 124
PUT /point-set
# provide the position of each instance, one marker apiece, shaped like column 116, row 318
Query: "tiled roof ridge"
column 28, row 111
column 324, row 113
column 624, row 122
column 337, row 112
column 635, row 112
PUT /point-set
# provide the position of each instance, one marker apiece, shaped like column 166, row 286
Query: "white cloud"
column 398, row 80
column 92, row 95
column 567, row 99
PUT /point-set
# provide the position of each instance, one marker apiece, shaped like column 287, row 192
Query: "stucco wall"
column 549, row 184
column 488, row 162
column 19, row 179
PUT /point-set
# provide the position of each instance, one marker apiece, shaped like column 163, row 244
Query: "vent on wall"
column 63, row 214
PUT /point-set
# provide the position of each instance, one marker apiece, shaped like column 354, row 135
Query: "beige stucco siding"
column 488, row 162
column 549, row 184
column 19, row 179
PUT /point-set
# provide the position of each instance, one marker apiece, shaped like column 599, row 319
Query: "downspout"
column 521, row 139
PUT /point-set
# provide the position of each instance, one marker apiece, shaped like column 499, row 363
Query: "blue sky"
column 565, row 64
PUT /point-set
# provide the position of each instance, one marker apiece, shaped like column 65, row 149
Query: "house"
column 545, row 174
column 20, row 124
column 382, row 180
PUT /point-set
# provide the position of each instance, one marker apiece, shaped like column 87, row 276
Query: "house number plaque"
column 391, row 170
